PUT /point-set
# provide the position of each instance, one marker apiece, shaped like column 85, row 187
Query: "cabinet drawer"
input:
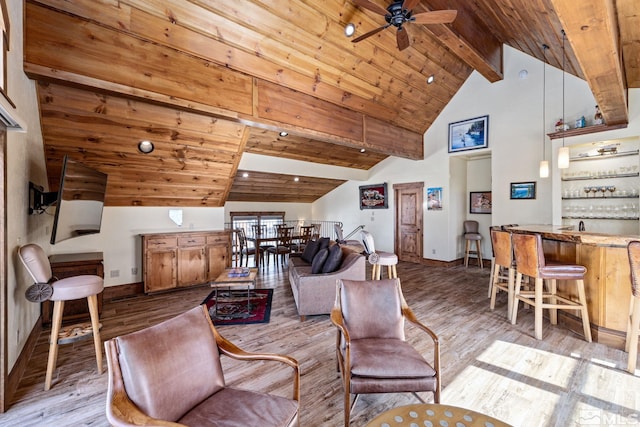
column 191, row 241
column 217, row 239
column 161, row 242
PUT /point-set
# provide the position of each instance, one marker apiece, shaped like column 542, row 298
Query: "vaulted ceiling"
column 209, row 80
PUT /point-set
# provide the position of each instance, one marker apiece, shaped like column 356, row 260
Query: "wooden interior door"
column 408, row 221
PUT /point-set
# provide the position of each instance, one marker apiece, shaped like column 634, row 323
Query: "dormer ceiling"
column 209, row 80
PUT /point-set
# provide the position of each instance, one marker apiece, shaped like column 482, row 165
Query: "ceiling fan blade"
column 410, row 4
column 435, row 17
column 371, row 6
column 369, row 34
column 403, row 38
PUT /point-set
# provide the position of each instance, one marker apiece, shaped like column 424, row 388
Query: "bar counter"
column 607, row 281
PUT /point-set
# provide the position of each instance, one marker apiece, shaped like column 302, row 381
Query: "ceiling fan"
column 400, row 12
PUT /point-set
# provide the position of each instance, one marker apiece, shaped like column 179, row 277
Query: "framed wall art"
column 373, row 196
column 480, row 202
column 470, row 134
column 434, row 199
column 523, row 190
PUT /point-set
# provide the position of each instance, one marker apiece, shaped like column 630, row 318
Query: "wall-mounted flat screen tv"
column 80, row 201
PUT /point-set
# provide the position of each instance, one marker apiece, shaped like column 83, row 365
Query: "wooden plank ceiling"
column 208, row 80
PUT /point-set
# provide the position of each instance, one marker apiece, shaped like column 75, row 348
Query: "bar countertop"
column 567, row 234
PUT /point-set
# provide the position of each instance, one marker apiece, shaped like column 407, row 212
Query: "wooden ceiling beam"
column 205, row 84
column 629, row 23
column 469, row 38
column 592, row 30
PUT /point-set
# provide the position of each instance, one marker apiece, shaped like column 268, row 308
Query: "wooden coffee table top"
column 432, row 414
column 223, row 280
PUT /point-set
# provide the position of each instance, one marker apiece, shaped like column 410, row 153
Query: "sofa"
column 316, row 293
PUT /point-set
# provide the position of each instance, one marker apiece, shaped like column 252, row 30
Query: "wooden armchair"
column 372, row 354
column 170, row 375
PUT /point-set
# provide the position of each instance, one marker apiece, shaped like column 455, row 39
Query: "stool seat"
column 76, row 287
column 530, row 261
column 633, row 324
column 85, row 286
column 383, row 258
column 471, row 234
column 378, row 259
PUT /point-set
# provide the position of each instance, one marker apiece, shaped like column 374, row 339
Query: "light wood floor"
column 488, row 365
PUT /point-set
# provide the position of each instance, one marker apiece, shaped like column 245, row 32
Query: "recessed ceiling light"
column 245, row 175
column 296, row 179
column 430, row 79
column 349, row 29
column 362, row 150
column 145, row 147
column 284, row 133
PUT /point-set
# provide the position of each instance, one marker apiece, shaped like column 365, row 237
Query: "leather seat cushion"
column 231, row 407
column 76, row 287
column 562, row 272
column 370, row 358
column 473, row 236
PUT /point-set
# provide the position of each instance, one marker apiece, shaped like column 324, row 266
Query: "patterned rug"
column 236, row 307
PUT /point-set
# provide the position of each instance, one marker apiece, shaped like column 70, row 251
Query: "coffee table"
column 224, row 281
column 433, row 414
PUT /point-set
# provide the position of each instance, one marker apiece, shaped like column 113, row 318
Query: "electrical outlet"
column 433, row 251
column 114, row 273
column 134, row 271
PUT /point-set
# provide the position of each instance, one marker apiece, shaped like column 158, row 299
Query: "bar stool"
column 633, row 326
column 378, row 259
column 471, row 234
column 530, row 262
column 503, row 260
column 69, row 288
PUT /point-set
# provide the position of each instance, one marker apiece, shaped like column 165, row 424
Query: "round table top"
column 434, row 415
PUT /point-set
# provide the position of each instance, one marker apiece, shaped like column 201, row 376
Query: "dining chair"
column 283, row 245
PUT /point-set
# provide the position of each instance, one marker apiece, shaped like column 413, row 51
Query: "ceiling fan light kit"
column 400, row 12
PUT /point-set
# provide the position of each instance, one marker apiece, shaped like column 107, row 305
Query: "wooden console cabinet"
column 68, row 265
column 174, row 260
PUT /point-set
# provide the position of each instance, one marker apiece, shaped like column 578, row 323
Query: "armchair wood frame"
column 343, row 348
column 121, row 411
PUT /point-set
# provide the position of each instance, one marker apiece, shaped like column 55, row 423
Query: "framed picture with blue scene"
column 471, row 134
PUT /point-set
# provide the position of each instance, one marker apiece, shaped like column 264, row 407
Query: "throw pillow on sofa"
column 319, row 260
column 334, row 258
column 323, row 243
column 310, row 251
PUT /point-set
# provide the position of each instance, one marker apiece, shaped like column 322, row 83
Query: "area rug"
column 235, row 307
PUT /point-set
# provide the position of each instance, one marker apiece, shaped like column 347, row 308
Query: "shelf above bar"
column 585, row 130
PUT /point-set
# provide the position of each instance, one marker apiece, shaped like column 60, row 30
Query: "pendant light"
column 544, row 164
column 563, row 153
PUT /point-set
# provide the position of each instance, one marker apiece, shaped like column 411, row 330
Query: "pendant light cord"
column 563, row 65
column 544, row 85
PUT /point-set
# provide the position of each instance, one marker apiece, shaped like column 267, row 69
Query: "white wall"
column 25, row 162
column 119, row 238
column 514, row 107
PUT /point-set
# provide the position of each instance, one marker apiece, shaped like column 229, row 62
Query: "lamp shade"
column 544, row 169
column 563, row 158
